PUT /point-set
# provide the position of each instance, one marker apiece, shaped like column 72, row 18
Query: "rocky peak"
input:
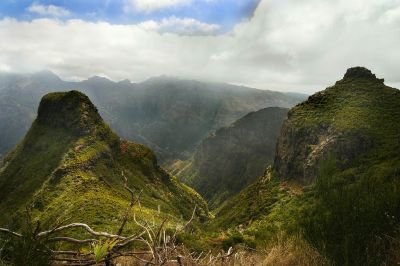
column 345, row 121
column 360, row 73
column 69, row 110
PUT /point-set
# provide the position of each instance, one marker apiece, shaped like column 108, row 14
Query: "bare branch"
column 144, row 227
column 72, row 260
column 71, row 240
column 191, row 218
column 70, row 252
column 130, row 240
column 86, row 227
column 134, row 200
column 4, row 230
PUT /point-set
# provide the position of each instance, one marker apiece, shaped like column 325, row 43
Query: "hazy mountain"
column 167, row 114
column 70, row 164
column 336, row 175
column 234, row 156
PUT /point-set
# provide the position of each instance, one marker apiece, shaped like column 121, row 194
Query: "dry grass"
column 293, row 251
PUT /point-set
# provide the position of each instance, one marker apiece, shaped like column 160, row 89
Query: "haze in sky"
column 286, row 45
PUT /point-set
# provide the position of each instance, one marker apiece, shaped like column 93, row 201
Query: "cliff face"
column 234, row 156
column 336, row 175
column 348, row 121
column 72, row 111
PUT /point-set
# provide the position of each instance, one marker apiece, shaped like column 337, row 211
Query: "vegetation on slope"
column 234, row 156
column 357, row 121
column 335, row 181
column 336, row 176
column 354, row 128
column 71, row 165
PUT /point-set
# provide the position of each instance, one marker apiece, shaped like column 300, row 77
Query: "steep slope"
column 355, row 121
column 234, row 156
column 71, row 165
column 169, row 115
column 336, row 175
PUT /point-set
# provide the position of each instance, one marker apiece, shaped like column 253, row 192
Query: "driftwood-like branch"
column 71, row 240
column 86, row 227
column 160, row 247
column 72, row 260
column 69, row 252
column 7, row 231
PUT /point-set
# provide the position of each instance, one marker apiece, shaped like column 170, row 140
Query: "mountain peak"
column 69, row 110
column 360, row 73
column 46, row 75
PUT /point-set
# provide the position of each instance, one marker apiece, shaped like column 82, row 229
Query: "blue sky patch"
column 224, row 13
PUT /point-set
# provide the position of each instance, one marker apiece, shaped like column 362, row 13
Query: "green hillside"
column 71, row 165
column 336, row 176
column 234, row 156
column 357, row 121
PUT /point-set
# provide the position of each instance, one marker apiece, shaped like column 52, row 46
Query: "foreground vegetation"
column 331, row 197
column 153, row 245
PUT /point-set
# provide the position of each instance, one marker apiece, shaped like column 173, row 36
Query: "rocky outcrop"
column 300, row 151
column 72, row 111
column 360, row 73
column 337, row 122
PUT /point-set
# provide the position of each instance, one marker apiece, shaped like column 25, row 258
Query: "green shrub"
column 355, row 213
column 25, row 250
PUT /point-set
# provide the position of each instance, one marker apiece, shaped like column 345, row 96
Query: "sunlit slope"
column 71, row 165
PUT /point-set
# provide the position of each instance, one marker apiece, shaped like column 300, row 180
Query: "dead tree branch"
column 4, row 230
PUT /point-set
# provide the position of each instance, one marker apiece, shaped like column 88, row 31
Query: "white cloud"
column 287, row 45
column 48, row 10
column 186, row 26
column 391, row 16
column 152, row 5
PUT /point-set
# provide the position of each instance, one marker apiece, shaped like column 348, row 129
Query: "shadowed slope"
column 234, row 156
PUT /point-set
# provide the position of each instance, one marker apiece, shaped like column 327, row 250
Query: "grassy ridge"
column 348, row 137
column 71, row 167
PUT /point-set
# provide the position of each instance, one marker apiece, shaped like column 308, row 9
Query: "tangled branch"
column 158, row 246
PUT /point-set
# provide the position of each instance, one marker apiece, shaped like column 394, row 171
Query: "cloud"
column 48, row 10
column 287, row 45
column 185, row 26
column 152, row 5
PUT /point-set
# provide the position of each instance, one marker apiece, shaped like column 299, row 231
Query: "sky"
column 285, row 45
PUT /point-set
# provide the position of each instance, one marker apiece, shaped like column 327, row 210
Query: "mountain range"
column 169, row 115
column 326, row 171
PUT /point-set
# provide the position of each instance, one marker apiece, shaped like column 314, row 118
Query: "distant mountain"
column 71, row 165
column 336, row 175
column 169, row 115
column 234, row 156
